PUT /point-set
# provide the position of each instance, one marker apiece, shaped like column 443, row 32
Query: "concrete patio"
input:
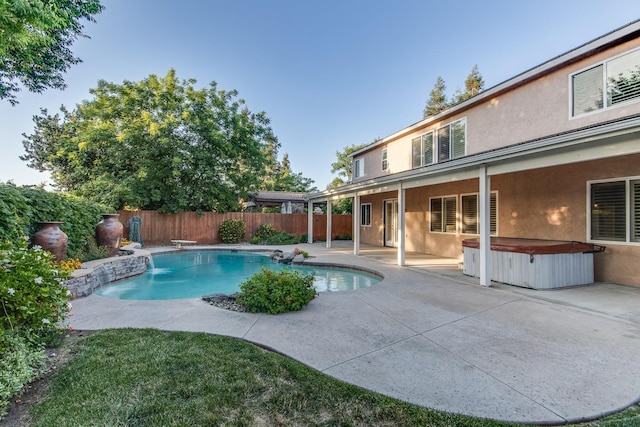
column 431, row 336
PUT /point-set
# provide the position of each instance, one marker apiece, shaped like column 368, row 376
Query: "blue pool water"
column 194, row 274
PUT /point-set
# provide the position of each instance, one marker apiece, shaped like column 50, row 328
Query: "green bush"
column 32, row 291
column 276, row 292
column 231, row 231
column 20, row 362
column 21, row 208
column 264, row 231
column 283, row 238
column 89, row 250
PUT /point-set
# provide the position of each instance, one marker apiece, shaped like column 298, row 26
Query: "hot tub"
column 533, row 263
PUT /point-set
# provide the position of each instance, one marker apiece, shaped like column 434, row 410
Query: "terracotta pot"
column 109, row 233
column 51, row 238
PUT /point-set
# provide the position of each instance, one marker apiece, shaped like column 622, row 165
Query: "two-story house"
column 552, row 153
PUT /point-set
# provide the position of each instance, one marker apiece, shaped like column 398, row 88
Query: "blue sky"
column 327, row 73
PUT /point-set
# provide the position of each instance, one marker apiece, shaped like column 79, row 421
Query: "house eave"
column 622, row 134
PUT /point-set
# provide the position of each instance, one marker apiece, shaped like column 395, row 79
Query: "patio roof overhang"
column 612, row 139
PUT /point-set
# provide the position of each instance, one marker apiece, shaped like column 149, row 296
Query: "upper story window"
column 606, row 85
column 358, row 168
column 447, row 142
column 422, row 150
column 385, row 159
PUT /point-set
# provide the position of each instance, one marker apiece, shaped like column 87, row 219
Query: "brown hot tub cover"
column 535, row 246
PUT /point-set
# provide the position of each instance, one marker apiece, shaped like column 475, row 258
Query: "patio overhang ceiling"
column 616, row 138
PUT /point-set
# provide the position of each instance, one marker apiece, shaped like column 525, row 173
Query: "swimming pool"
column 192, row 274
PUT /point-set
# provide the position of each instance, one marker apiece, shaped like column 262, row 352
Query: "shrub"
column 276, row 292
column 19, row 365
column 283, row 238
column 304, row 238
column 264, row 231
column 231, row 230
column 89, row 250
column 33, row 296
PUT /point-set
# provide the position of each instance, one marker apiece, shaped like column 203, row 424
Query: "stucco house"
column 552, row 153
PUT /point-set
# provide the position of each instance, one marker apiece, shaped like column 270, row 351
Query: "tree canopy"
column 473, row 85
column 437, row 102
column 343, row 165
column 159, row 143
column 35, row 37
column 437, row 98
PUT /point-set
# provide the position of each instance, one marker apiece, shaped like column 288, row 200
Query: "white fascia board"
column 623, row 137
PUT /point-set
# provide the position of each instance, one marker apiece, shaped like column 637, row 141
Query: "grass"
column 145, row 377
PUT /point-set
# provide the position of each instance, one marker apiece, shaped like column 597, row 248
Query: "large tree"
column 281, row 177
column 159, row 143
column 437, row 99
column 35, row 37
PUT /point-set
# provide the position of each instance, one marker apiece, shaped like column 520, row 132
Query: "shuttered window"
column 471, row 213
column 444, row 143
column 458, row 138
column 618, row 79
column 436, row 214
column 427, row 148
column 635, row 211
column 609, row 211
column 385, row 159
column 422, row 150
column 587, row 90
column 443, row 214
column 623, row 78
column 365, row 214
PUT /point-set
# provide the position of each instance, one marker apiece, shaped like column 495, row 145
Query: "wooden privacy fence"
column 160, row 228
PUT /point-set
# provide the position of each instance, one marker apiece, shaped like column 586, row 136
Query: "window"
column 471, row 213
column 613, row 82
column 422, row 150
column 615, row 210
column 448, row 142
column 365, row 214
column 443, row 214
column 452, row 140
column 358, row 168
column 385, row 160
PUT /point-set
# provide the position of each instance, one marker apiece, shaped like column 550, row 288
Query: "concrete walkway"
column 428, row 335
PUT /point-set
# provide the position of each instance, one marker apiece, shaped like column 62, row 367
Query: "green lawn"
column 134, row 377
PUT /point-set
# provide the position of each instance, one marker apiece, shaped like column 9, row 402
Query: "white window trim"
column 385, row 159
column 604, row 78
column 448, row 233
column 462, row 213
column 358, row 172
column 627, row 241
column 436, row 148
column 362, row 216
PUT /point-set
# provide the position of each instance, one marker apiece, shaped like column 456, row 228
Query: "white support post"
column 310, row 222
column 357, row 212
column 401, row 227
column 485, row 226
column 328, row 223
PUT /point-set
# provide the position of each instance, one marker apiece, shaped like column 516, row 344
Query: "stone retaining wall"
column 94, row 274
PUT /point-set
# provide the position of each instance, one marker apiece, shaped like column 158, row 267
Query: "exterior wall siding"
column 548, row 203
column 527, row 112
